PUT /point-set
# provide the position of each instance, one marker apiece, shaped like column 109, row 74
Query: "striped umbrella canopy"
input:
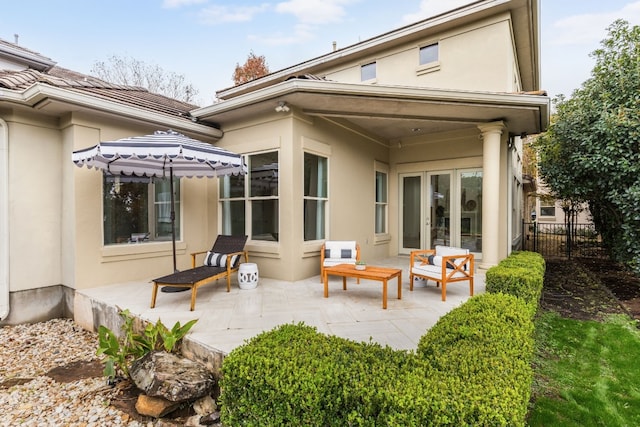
column 165, row 154
column 162, row 154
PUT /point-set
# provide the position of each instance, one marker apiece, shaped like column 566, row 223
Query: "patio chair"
column 219, row 262
column 444, row 265
column 334, row 252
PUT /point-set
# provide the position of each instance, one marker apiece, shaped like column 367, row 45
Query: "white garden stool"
column 248, row 275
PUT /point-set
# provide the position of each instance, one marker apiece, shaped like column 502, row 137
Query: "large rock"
column 154, row 406
column 171, row 377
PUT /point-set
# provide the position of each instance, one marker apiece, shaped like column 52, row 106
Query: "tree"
column 256, row 66
column 132, row 72
column 591, row 151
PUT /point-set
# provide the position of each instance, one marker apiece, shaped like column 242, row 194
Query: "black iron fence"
column 562, row 240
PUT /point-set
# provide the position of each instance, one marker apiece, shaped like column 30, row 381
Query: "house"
column 539, row 204
column 403, row 141
column 406, row 140
column 52, row 239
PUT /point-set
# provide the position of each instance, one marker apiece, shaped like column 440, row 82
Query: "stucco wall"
column 35, row 203
column 477, row 57
column 55, row 209
column 351, row 188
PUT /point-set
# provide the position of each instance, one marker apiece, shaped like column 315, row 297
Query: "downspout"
column 4, row 220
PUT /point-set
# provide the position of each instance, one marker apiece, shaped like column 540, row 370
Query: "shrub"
column 472, row 368
column 292, row 375
column 118, row 353
column 521, row 274
column 486, row 345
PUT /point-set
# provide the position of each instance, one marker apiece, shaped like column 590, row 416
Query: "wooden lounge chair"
column 334, row 252
column 222, row 260
column 444, row 265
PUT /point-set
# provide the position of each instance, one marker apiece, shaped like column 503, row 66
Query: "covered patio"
column 226, row 320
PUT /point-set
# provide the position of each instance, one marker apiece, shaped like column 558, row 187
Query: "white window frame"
column 383, row 236
column 249, row 199
column 324, row 198
column 365, row 68
column 150, row 235
column 430, row 66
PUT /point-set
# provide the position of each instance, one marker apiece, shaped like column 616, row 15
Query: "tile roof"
column 63, row 78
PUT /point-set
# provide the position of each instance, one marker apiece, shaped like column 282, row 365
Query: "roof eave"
column 41, row 96
column 409, row 94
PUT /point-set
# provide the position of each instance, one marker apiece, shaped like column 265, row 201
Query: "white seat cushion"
column 434, row 271
column 331, row 262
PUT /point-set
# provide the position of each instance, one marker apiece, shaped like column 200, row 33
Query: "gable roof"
column 525, row 20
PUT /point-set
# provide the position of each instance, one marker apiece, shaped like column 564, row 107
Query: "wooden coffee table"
column 381, row 274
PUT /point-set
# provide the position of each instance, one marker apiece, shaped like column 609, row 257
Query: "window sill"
column 381, row 238
column 263, row 248
column 431, row 67
column 121, row 252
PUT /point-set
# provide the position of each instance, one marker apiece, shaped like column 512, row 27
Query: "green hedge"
column 294, row 376
column 521, row 274
column 471, row 368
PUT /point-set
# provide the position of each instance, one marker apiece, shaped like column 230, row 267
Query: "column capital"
column 492, row 127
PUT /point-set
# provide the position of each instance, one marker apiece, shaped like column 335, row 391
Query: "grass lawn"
column 587, row 373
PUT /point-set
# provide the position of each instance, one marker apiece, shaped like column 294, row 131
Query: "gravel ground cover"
column 39, row 385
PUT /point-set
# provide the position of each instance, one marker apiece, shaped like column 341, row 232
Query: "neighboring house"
column 539, row 203
column 403, row 141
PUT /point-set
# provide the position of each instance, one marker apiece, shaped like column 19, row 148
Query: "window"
column 547, row 206
column 252, row 199
column 368, row 72
column 381, row 202
column 429, row 54
column 139, row 209
column 315, row 196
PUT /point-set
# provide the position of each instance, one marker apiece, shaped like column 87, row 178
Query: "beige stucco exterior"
column 465, row 112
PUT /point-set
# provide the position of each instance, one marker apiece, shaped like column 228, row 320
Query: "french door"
column 441, row 208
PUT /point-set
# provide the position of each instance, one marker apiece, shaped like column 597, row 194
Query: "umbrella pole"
column 173, row 216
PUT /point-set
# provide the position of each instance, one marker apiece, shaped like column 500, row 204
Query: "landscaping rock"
column 204, row 406
column 154, row 406
column 162, row 374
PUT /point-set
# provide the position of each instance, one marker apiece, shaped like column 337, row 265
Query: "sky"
column 204, row 40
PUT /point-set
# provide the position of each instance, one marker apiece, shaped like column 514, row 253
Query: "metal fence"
column 562, row 240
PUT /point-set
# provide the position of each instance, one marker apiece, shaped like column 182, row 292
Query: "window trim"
column 380, row 167
column 151, row 215
column 547, row 204
column 428, row 67
column 248, row 199
column 325, row 199
column 375, row 69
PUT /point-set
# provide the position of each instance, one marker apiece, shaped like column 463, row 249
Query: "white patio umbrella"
column 165, row 154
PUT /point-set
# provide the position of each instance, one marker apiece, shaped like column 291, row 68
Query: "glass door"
column 411, row 216
column 439, row 209
column 471, row 210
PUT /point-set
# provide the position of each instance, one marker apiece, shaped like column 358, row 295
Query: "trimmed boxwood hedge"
column 295, row 376
column 471, row 368
column 520, row 274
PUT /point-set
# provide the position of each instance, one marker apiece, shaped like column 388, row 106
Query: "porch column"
column 491, row 137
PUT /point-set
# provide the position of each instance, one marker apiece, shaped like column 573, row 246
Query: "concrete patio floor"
column 227, row 320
